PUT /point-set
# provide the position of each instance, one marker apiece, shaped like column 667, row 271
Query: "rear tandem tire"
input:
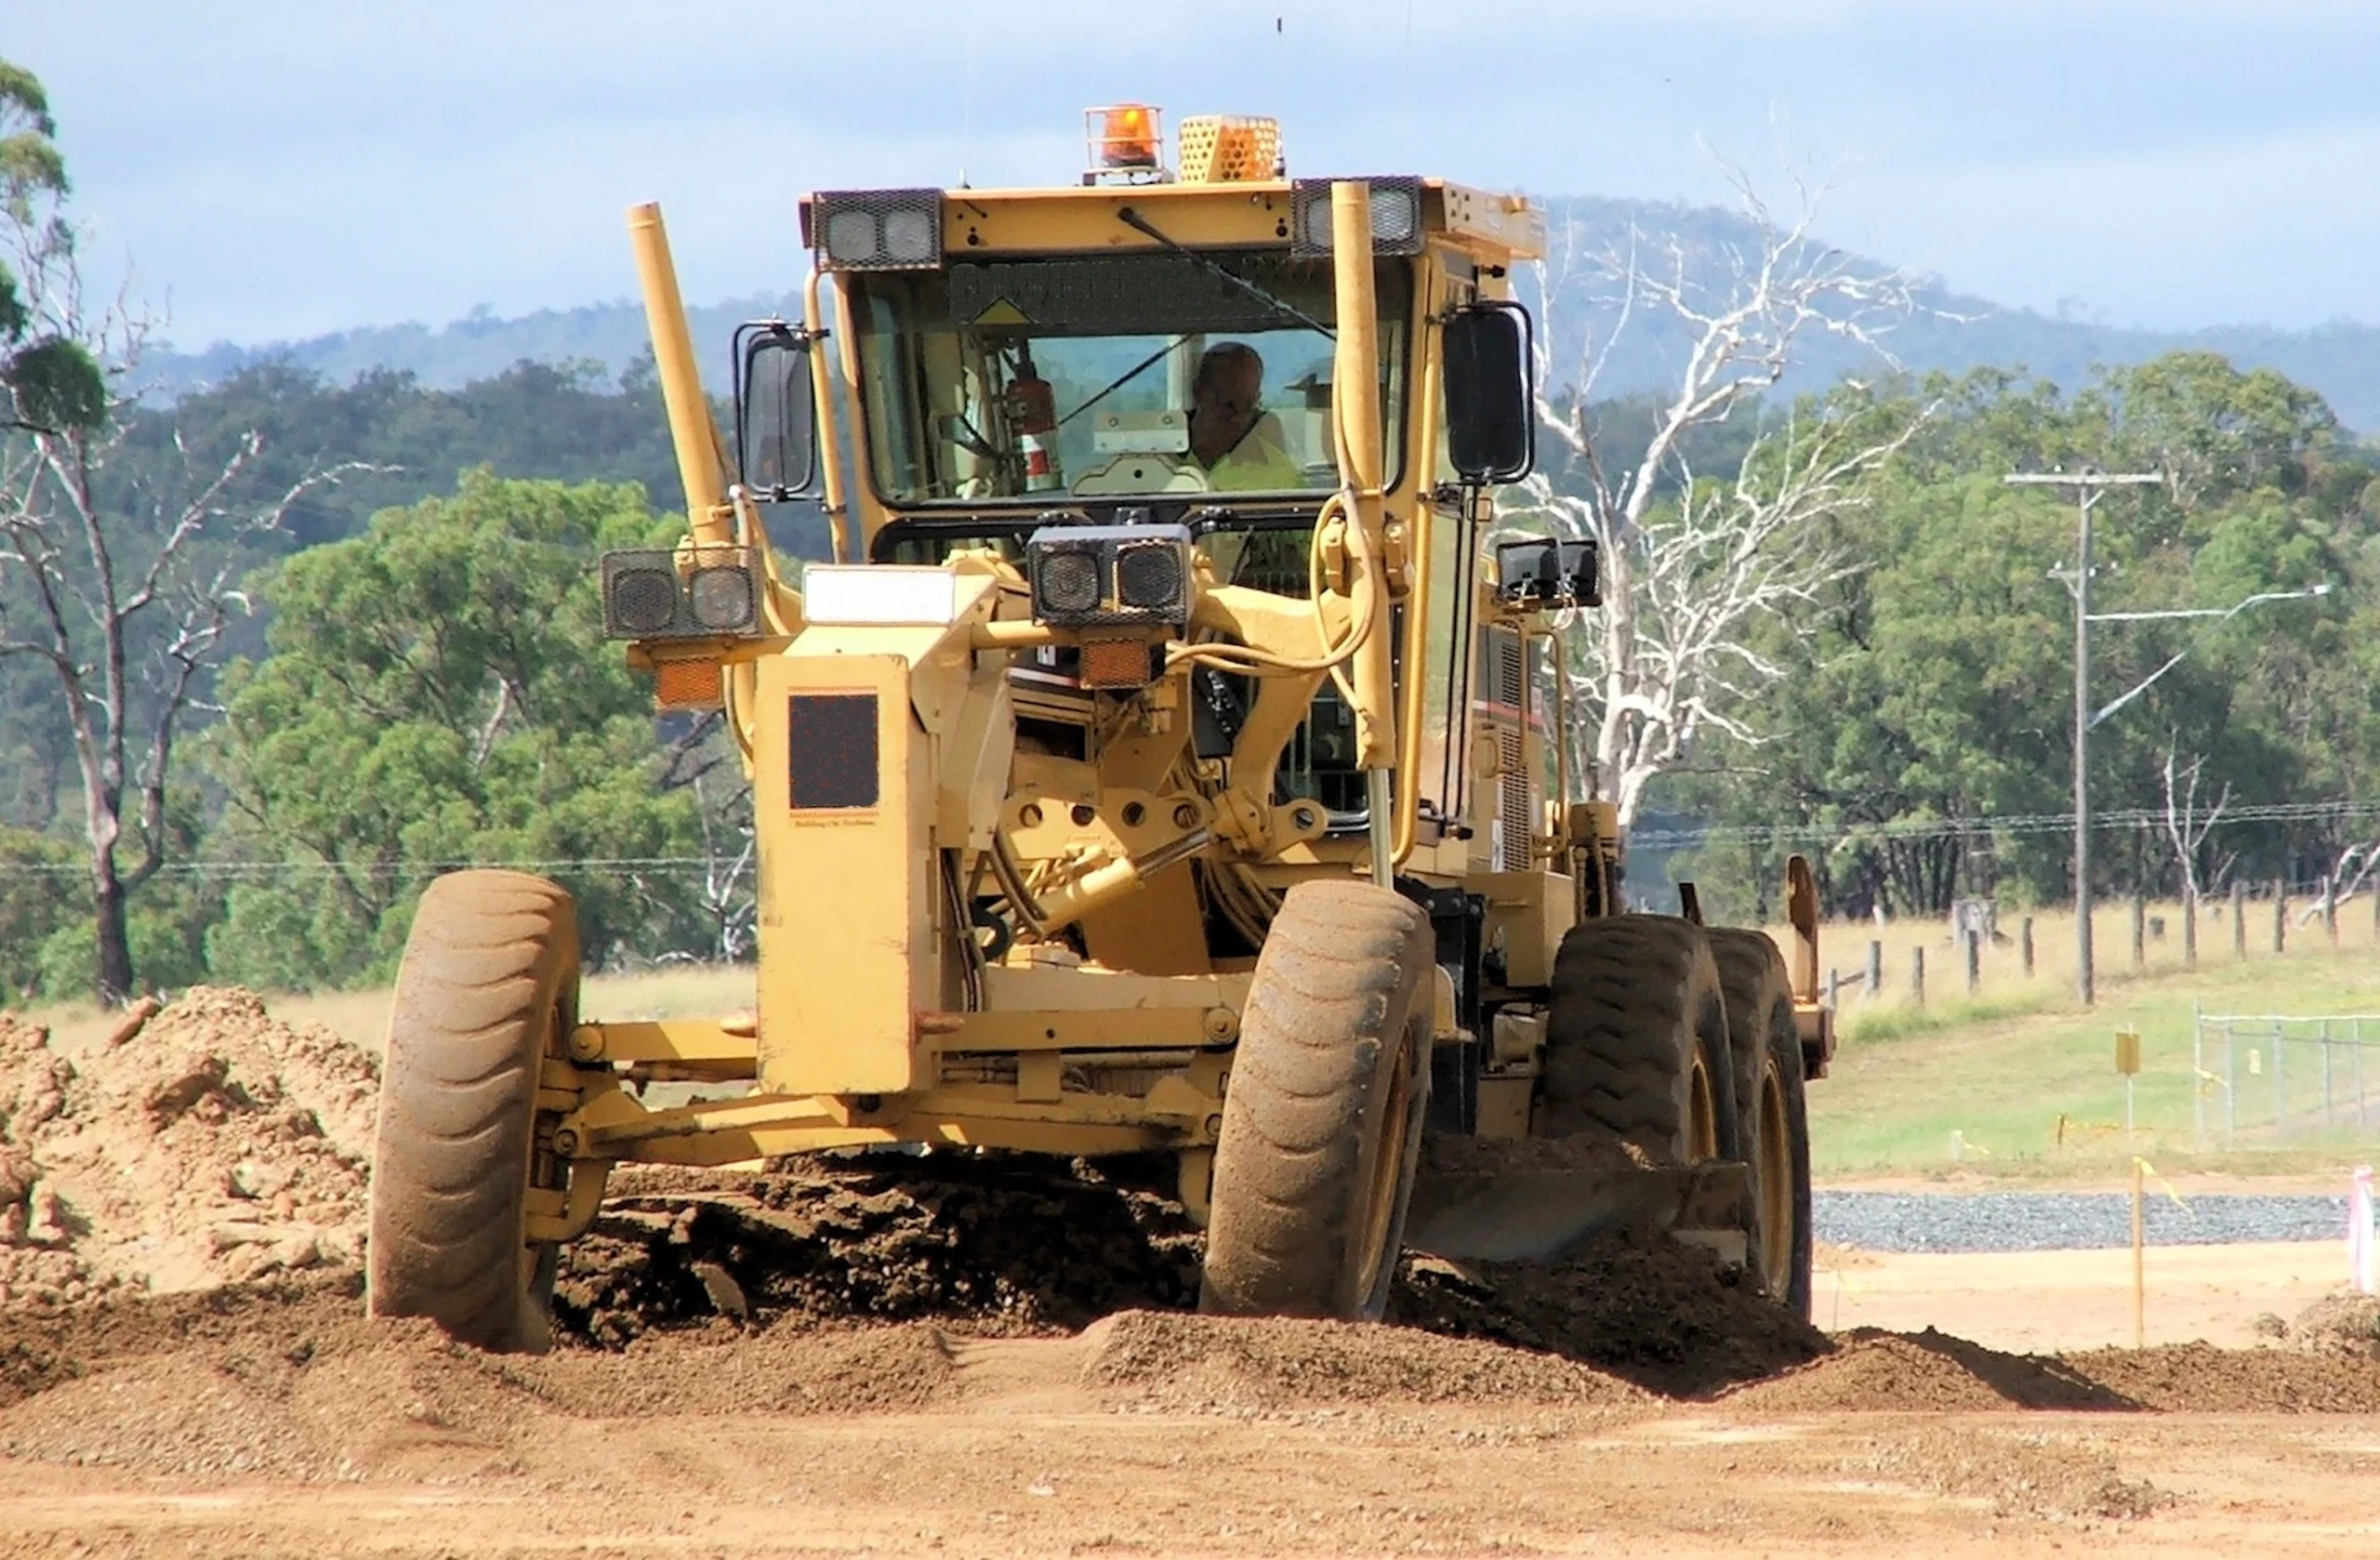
column 1776, row 1128
column 1636, row 1044
column 488, row 988
column 1323, row 1112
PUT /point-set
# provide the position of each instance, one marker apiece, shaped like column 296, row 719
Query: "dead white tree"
column 124, row 590
column 1692, row 565
column 728, row 895
column 2185, row 824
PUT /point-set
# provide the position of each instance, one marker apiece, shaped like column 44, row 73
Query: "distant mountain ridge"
column 2341, row 360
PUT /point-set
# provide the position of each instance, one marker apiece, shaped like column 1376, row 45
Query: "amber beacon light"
column 1124, row 135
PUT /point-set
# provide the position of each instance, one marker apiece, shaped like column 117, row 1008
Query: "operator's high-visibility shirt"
column 1259, row 463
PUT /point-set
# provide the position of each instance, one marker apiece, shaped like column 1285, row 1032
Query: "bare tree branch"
column 1693, row 565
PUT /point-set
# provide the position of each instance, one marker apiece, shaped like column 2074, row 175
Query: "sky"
column 272, row 169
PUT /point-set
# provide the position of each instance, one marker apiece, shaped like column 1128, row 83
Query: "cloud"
column 291, row 168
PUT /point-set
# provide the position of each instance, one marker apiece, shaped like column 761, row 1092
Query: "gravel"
column 2064, row 1221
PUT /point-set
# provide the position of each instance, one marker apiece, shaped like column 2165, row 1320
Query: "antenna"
column 967, row 95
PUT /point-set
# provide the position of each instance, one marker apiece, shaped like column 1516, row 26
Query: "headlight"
column 1396, row 217
column 721, row 599
column 1093, row 575
column 660, row 593
column 1148, row 576
column 641, row 603
column 875, row 229
column 1067, row 584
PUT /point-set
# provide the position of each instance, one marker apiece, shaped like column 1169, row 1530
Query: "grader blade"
column 1537, row 1215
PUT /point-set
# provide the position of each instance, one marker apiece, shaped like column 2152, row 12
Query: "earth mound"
column 210, row 1144
column 1170, row 1361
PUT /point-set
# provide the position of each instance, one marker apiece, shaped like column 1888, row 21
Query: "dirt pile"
column 2347, row 1325
column 2201, row 1379
column 1000, row 1244
column 213, row 1145
column 1639, row 1305
column 288, row 1378
column 1924, row 1372
column 1170, row 1361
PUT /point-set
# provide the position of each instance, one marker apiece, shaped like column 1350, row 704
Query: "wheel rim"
column 1776, row 1175
column 1388, row 1170
column 1701, row 1115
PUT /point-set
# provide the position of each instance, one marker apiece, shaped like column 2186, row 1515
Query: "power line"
column 1990, row 828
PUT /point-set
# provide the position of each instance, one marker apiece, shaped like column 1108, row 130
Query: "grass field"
column 2002, row 1068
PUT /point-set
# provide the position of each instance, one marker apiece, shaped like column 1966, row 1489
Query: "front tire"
column 1322, row 1114
column 487, row 990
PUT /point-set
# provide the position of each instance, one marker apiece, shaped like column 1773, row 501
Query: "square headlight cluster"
column 1543, row 572
column 1086, row 576
column 1396, row 217
column 875, row 229
column 657, row 593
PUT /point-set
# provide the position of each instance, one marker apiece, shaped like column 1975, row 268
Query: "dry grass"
column 2004, row 990
column 362, row 1017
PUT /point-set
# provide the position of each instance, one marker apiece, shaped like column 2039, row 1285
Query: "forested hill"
column 2340, row 360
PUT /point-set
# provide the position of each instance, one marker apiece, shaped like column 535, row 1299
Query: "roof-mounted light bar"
column 875, row 229
column 1397, row 215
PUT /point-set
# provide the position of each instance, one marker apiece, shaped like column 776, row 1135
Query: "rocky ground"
column 994, row 1355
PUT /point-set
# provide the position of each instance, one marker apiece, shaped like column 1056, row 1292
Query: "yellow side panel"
column 1156, row 931
column 846, row 941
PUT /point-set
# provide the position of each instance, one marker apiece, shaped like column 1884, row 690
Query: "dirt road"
column 975, row 1357
column 1161, row 1435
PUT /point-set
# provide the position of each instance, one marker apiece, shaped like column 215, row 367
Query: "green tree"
column 49, row 380
column 438, row 691
column 119, row 595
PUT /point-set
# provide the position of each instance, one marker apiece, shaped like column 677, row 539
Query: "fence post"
column 1833, row 988
column 1876, row 968
column 2139, row 932
column 2189, row 928
column 2231, row 1085
column 2280, row 915
column 2239, row 921
column 2330, row 908
column 2198, row 1076
column 2025, row 942
column 1974, row 961
column 1917, row 975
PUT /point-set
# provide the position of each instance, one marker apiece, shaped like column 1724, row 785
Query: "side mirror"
column 776, row 430
column 1542, row 572
column 1491, row 394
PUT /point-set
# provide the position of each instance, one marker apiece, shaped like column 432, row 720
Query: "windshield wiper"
column 1122, row 379
column 1139, row 223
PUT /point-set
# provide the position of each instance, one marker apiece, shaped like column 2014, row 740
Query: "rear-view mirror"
column 1491, row 392
column 776, row 430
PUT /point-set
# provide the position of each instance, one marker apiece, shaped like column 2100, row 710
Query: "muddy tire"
column 1322, row 1117
column 1774, row 1128
column 488, row 987
column 1636, row 1044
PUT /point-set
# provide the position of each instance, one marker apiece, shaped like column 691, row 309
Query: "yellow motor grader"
column 1173, row 757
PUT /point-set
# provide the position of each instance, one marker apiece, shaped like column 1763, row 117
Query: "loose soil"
column 991, row 1355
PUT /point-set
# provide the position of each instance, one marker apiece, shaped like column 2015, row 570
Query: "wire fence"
column 2116, row 819
column 2269, row 1077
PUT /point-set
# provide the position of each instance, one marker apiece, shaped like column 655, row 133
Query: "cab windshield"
column 1110, row 375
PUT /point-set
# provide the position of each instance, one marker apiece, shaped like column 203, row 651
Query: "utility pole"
column 2088, row 486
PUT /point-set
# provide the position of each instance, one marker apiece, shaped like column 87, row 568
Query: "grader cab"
column 1175, row 756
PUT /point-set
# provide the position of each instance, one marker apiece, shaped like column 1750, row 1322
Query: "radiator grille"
column 1516, row 804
